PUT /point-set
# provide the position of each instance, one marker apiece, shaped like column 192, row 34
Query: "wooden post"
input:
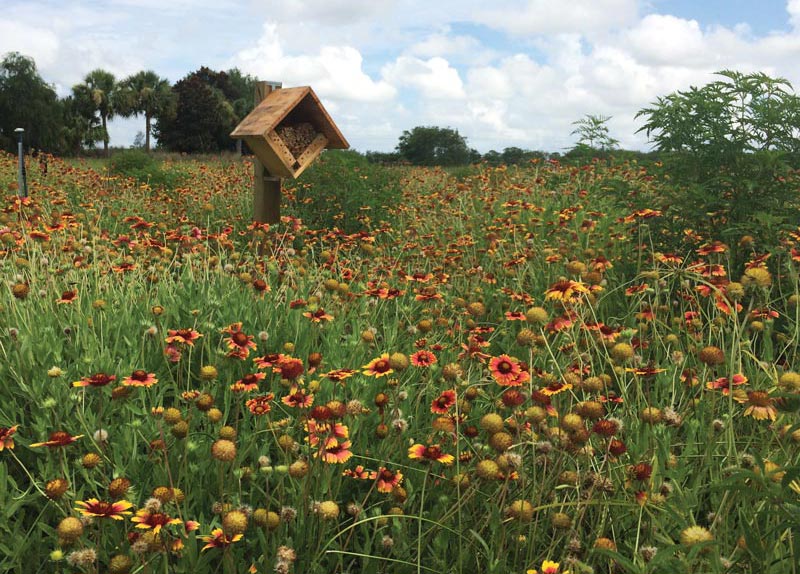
column 266, row 189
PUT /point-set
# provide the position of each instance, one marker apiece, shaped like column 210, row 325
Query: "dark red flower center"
column 240, row 339
column 759, row 398
column 139, row 375
column 158, row 519
column 60, row 437
column 102, row 508
column 99, row 380
column 504, row 367
column 433, row 452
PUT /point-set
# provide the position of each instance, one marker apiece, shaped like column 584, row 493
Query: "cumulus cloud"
column 511, row 72
column 663, row 40
column 334, row 71
column 38, row 43
column 793, row 8
column 546, row 17
column 434, row 78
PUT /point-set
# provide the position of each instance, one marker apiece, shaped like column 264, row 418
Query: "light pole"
column 21, row 180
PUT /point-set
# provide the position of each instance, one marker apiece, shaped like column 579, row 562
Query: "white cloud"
column 38, row 43
column 434, row 78
column 665, row 40
column 442, row 44
column 329, row 12
column 793, row 8
column 509, row 72
column 335, row 71
column 547, row 17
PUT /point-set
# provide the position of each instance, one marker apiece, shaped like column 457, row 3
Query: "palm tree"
column 98, row 89
column 144, row 93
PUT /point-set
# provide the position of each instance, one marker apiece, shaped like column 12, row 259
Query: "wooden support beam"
column 266, row 189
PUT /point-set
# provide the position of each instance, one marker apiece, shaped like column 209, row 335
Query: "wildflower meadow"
column 491, row 369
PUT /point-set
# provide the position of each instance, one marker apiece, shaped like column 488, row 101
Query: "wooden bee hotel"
column 287, row 130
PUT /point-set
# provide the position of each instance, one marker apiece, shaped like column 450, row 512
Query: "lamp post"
column 21, row 180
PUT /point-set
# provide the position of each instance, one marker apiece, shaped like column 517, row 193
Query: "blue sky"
column 504, row 73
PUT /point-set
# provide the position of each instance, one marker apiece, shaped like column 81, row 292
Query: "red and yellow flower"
column 555, row 388
column 248, row 382
column 298, row 398
column 644, row 371
column 153, row 520
column 725, row 385
column 759, row 404
column 7, row 437
column 290, row 368
column 58, row 438
column 430, row 453
column 68, row 297
column 386, row 479
column 339, row 375
column 239, row 343
column 443, row 402
column 567, row 291
column 260, row 405
column 140, row 378
column 547, row 567
column 335, row 452
column 359, row 472
column 96, row 380
column 423, row 359
column 318, row 316
column 379, row 367
column 507, row 371
column 183, row 336
column 218, row 539
column 102, row 509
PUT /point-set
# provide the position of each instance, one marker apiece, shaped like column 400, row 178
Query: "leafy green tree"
column 381, row 157
column 98, row 88
column 80, row 126
column 435, row 146
column 493, row 157
column 26, row 101
column 593, row 133
column 241, row 96
column 728, row 147
column 144, row 93
column 201, row 120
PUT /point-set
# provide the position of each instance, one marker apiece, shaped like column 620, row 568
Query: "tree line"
column 195, row 115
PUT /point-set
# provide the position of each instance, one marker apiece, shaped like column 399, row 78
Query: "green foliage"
column 343, row 189
column 147, row 94
column 96, row 95
column 26, row 101
column 144, row 168
column 730, row 144
column 593, row 133
column 383, row 157
column 202, row 117
column 512, row 156
column 435, row 146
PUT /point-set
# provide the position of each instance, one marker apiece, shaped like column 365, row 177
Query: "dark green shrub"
column 145, row 169
column 343, row 189
column 728, row 150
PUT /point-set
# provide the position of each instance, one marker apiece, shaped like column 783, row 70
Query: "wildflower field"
column 500, row 370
